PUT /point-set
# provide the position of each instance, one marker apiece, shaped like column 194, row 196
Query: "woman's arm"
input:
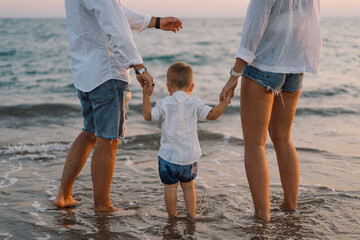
column 233, row 81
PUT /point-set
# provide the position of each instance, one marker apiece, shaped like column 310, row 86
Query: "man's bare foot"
column 191, row 215
column 61, row 202
column 106, row 209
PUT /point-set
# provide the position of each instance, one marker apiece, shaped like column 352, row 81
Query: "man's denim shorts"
column 171, row 173
column 104, row 109
column 276, row 82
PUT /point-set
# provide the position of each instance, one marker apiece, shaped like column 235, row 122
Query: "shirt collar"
column 180, row 96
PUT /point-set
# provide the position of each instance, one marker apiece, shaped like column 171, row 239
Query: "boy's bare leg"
column 75, row 160
column 256, row 107
column 102, row 169
column 171, row 199
column 280, row 133
column 189, row 197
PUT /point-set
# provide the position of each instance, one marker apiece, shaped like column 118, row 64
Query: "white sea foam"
column 47, row 236
column 7, row 181
column 41, row 148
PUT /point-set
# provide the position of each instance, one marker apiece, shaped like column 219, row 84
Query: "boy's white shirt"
column 179, row 115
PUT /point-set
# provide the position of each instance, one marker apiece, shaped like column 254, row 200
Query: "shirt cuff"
column 205, row 112
column 245, row 55
column 147, row 20
column 137, row 61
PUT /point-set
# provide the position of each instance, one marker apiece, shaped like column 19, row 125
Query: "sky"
column 183, row 8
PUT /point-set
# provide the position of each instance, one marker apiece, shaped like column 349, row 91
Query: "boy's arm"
column 216, row 112
column 146, row 105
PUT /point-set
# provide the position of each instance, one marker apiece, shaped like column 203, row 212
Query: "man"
column 102, row 50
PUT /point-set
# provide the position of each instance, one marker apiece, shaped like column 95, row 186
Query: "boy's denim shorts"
column 276, row 82
column 104, row 109
column 171, row 173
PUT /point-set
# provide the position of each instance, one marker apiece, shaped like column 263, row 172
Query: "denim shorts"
column 104, row 109
column 276, row 82
column 171, row 173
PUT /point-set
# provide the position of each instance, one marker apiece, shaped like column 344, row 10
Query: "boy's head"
column 180, row 76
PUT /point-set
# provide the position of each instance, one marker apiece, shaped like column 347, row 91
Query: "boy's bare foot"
column 62, row 202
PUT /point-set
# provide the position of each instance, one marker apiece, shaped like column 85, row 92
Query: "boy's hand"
column 170, row 24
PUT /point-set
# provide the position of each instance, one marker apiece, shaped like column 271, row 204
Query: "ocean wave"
column 51, row 110
column 8, row 53
column 23, row 149
column 324, row 112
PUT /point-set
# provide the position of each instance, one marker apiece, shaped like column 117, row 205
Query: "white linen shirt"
column 179, row 114
column 282, row 36
column 101, row 42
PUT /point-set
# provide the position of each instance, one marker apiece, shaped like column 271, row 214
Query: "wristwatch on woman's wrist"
column 141, row 70
column 235, row 74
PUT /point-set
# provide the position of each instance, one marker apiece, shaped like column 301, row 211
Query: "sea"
column 40, row 116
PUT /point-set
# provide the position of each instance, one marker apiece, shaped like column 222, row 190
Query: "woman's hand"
column 228, row 88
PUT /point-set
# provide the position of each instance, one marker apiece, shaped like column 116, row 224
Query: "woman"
column 281, row 40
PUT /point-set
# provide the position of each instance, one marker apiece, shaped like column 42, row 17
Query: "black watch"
column 141, row 70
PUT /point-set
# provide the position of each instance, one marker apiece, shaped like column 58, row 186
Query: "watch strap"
column 157, row 23
column 141, row 70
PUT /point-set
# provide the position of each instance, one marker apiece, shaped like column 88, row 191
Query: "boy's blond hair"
column 180, row 75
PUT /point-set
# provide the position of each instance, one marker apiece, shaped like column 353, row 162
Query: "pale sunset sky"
column 183, row 8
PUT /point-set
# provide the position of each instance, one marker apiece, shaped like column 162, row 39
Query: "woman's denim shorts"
column 171, row 173
column 276, row 82
column 104, row 109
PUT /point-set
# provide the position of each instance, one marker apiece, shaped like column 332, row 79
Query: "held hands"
column 146, row 81
column 228, row 90
column 170, row 24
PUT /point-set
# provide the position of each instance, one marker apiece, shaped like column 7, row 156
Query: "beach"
column 40, row 115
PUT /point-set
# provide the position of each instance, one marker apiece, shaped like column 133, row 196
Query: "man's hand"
column 170, row 24
column 146, row 80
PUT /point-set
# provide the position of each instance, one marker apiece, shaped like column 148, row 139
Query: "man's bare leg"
column 189, row 197
column 102, row 169
column 171, row 199
column 75, row 160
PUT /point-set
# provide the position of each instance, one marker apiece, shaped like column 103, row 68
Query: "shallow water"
column 40, row 116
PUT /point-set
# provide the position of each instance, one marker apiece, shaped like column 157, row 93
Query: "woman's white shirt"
column 282, row 36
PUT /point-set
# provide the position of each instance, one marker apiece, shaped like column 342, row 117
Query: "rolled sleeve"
column 137, row 21
column 245, row 55
column 114, row 23
column 202, row 110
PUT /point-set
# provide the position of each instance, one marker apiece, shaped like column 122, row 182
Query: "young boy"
column 180, row 147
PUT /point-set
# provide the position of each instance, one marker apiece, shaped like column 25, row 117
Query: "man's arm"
column 216, row 112
column 146, row 105
column 139, row 21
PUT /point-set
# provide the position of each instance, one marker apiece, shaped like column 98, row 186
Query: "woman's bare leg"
column 280, row 132
column 256, row 106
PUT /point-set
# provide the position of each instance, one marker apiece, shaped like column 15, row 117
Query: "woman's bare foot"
column 287, row 207
column 61, row 202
